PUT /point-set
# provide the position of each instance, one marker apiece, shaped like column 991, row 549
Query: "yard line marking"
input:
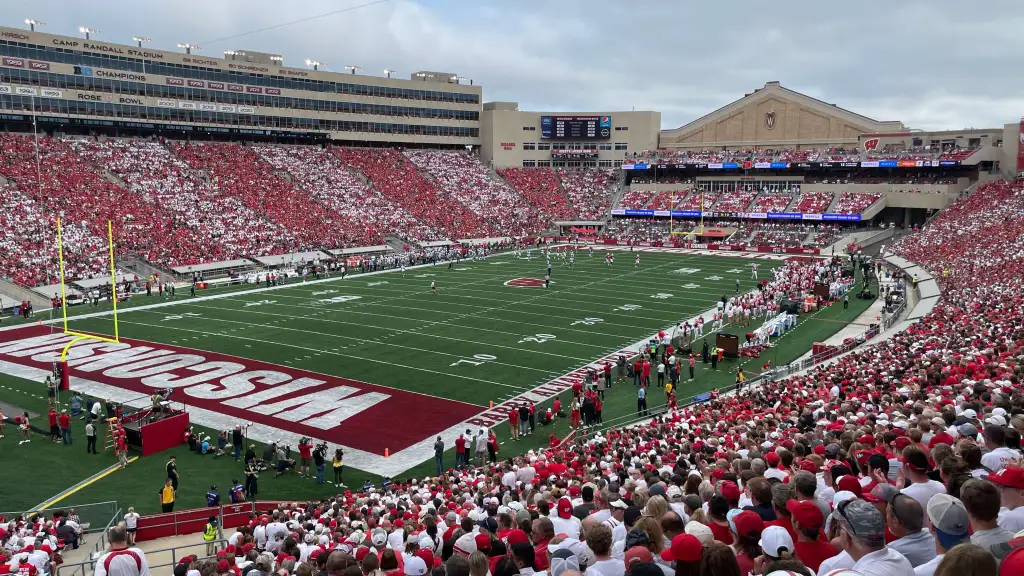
column 68, row 492
column 307, row 348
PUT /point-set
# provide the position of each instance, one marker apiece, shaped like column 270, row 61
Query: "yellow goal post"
column 79, row 336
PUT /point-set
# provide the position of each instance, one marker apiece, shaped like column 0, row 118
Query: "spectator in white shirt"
column 862, row 536
column 915, row 469
column 904, row 517
column 599, row 540
column 564, row 522
column 1011, row 496
column 947, row 519
column 120, row 560
column 995, row 441
column 131, row 523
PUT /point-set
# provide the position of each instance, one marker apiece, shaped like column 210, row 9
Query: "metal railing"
column 87, row 568
column 93, row 517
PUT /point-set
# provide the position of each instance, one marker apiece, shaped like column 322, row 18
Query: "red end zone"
column 355, row 414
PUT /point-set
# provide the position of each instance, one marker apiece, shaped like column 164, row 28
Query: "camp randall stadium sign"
column 282, row 403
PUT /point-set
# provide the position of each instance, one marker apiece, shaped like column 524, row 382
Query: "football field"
column 376, row 362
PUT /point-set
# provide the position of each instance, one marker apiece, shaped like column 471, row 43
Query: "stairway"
column 10, row 291
column 142, row 268
column 111, row 177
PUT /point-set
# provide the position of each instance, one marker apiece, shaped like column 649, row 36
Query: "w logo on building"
column 769, row 119
column 871, row 144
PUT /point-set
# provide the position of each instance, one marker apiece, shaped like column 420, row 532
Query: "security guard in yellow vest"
column 209, row 535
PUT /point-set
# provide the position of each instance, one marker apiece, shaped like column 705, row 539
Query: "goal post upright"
column 80, row 336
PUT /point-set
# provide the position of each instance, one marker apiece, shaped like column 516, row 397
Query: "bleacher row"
column 179, row 203
column 753, row 233
column 748, row 201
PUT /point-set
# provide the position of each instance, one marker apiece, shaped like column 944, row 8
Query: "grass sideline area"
column 396, row 316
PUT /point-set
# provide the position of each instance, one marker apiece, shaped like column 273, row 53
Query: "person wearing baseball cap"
column 776, row 543
column 564, row 522
column 686, row 549
column 747, row 527
column 807, row 524
column 862, row 537
column 904, row 517
column 1011, row 497
column 947, row 520
column 998, row 454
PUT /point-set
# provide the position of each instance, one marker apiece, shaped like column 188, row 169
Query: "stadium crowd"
column 901, row 458
column 540, row 187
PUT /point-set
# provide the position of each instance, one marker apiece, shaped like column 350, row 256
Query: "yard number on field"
column 661, row 296
column 477, row 360
column 538, row 338
column 628, row 307
column 338, row 299
column 587, row 321
column 260, row 303
column 180, row 316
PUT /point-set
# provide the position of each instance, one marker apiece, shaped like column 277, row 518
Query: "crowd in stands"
column 773, row 201
column 238, row 171
column 318, row 172
column 698, row 199
column 66, row 185
column 28, row 248
column 855, row 202
column 541, row 188
column 779, row 235
column 814, row 202
column 735, row 201
column 391, row 172
column 590, row 191
column 149, row 170
column 898, row 459
column 464, row 178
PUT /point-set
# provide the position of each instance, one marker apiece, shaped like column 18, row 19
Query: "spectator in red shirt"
column 513, row 422
column 54, row 428
column 64, row 422
column 543, row 532
column 460, row 451
column 807, row 524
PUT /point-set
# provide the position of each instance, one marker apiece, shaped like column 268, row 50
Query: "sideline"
column 88, row 481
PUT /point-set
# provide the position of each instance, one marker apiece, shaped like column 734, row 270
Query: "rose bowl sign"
column 220, row 391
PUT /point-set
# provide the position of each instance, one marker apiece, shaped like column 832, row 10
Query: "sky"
column 939, row 64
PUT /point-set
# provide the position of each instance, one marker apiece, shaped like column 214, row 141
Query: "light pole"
column 140, row 39
column 87, row 31
column 389, row 72
column 277, row 60
column 33, row 23
column 231, row 54
column 189, row 47
column 461, row 79
column 353, row 69
column 315, row 64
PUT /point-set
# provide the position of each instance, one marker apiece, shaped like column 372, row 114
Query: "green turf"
column 399, row 334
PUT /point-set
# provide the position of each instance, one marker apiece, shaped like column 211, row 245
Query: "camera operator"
column 283, row 461
column 319, row 461
column 305, row 451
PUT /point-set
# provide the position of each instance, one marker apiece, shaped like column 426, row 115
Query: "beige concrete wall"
column 502, row 134
column 1011, row 144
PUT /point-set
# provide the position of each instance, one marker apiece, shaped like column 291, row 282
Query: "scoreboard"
column 576, row 127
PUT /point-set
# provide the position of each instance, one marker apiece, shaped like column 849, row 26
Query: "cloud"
column 943, row 64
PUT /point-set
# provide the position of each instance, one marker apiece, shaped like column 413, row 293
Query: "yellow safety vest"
column 210, row 533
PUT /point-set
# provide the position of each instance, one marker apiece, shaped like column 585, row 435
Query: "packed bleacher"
column 71, row 187
column 855, row 202
column 28, row 251
column 735, row 201
column 464, row 178
column 814, row 202
column 391, row 173
column 898, row 459
column 148, row 169
column 319, row 173
column 238, row 171
column 541, row 188
column 589, row 191
column 773, row 201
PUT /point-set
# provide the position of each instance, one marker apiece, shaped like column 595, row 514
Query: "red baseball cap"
column 223, row 566
column 1010, row 476
column 637, row 554
column 483, row 542
column 564, row 509
column 731, row 491
column 866, row 439
column 772, row 458
column 808, row 466
column 516, row 536
column 851, row 484
column 806, row 513
column 685, row 548
column 748, row 524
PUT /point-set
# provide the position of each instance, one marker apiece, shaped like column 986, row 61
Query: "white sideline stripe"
column 233, row 293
